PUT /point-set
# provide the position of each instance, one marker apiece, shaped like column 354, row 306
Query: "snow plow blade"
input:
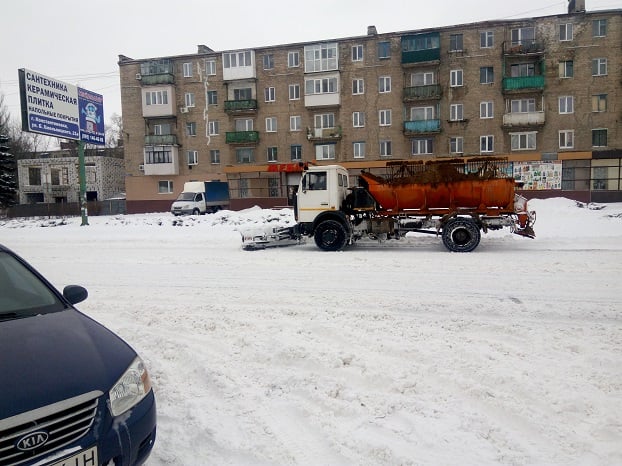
column 270, row 237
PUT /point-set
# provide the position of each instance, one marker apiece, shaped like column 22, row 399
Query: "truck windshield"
column 186, row 197
column 317, row 181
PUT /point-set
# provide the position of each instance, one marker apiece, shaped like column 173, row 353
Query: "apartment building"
column 544, row 92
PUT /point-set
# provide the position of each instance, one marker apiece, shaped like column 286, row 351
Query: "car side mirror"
column 75, row 293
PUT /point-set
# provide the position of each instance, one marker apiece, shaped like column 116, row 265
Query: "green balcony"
column 242, row 137
column 432, row 91
column 161, row 140
column 151, row 79
column 240, row 106
column 421, row 48
column 422, row 126
column 156, row 72
column 523, row 83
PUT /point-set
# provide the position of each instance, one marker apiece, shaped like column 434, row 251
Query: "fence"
column 67, row 209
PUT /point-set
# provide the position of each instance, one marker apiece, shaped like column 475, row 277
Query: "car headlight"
column 132, row 387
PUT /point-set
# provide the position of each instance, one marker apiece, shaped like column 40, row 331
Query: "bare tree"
column 114, row 131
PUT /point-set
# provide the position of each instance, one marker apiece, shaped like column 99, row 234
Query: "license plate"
column 82, row 458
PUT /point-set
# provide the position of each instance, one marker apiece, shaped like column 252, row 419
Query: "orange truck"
column 454, row 199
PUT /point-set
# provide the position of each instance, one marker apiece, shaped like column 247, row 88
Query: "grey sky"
column 79, row 42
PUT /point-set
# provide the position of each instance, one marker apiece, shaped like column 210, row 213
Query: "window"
column 566, row 139
column 456, row 112
column 272, row 154
column 565, row 32
column 210, row 67
column 523, row 141
column 599, row 27
column 268, row 61
column 325, row 152
column 165, row 187
column 384, row 84
column 245, row 155
column 321, row 86
column 385, row 148
column 296, row 152
column 421, row 113
column 486, row 144
column 486, row 39
column 243, row 182
column 156, row 97
column 158, row 154
column 486, row 110
column 273, row 187
column 455, row 43
column 244, row 124
column 523, row 106
column 193, row 157
column 384, row 50
column 295, row 123
column 423, row 78
column 187, row 67
column 214, row 156
column 384, row 117
column 358, row 119
column 271, row 124
column 237, row 59
column 34, row 176
column 486, row 75
column 189, row 99
column 422, row 146
column 293, row 59
column 270, row 94
column 321, row 57
column 456, row 145
column 213, row 128
column 566, row 104
column 523, row 36
column 191, row 129
column 522, row 69
column 212, row 98
column 358, row 149
column 162, row 129
column 599, row 67
column 456, row 78
column 566, row 69
column 357, row 53
column 599, row 137
column 294, row 92
column 245, row 93
column 358, row 86
column 599, row 103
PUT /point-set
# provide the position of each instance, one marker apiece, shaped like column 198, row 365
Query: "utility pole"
column 82, row 176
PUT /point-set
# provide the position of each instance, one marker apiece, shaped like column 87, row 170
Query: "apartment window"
column 268, row 61
column 161, row 129
column 599, row 137
column 193, row 157
column 295, row 151
column 212, row 98
column 34, row 176
column 599, row 67
column 486, row 39
column 237, row 59
column 384, row 117
column 189, row 99
column 293, row 59
column 384, row 50
column 244, row 124
column 158, row 154
column 566, row 139
column 210, row 67
column 325, row 152
column 456, row 145
column 324, row 120
column 522, row 69
column 165, row 187
column 191, row 128
column 523, row 36
column 456, row 112
column 456, row 78
column 213, row 128
column 599, row 27
column 187, row 67
column 295, row 123
column 358, row 86
column 523, row 106
column 245, row 155
column 357, row 53
column 294, row 92
column 320, row 86
column 384, row 84
column 566, row 104
column 422, row 146
column 272, row 154
column 565, row 32
column 421, row 113
column 455, row 43
column 599, row 103
column 486, row 144
column 271, row 125
column 386, row 149
column 244, row 93
column 358, row 119
column 321, row 57
column 156, row 97
column 523, row 141
column 486, row 75
column 566, row 69
column 243, row 182
column 486, row 110
column 358, row 149
column 423, row 78
column 270, row 94
column 214, row 156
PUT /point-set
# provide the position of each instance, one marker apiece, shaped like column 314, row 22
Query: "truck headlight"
column 132, row 387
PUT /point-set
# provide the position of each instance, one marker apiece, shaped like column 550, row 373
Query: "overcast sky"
column 79, row 42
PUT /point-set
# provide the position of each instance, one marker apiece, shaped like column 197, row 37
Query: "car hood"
column 52, row 357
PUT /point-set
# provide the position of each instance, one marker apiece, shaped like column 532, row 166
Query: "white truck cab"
column 322, row 188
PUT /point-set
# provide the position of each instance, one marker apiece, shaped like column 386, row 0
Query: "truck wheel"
column 461, row 235
column 330, row 235
column 196, row 212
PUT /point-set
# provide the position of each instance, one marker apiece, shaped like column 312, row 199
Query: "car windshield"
column 186, row 197
column 22, row 293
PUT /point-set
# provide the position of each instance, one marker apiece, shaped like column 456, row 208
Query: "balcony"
column 422, row 127
column 324, row 134
column 526, row 119
column 161, row 161
column 429, row 92
column 161, row 140
column 241, row 106
column 156, row 72
column 523, row 47
column 523, row 84
column 242, row 137
column 421, row 48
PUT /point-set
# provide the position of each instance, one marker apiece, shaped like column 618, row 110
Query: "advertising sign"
column 91, row 107
column 539, row 175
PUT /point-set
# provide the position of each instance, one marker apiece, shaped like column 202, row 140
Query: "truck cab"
column 322, row 189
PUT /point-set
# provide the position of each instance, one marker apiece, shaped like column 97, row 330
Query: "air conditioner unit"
column 183, row 109
column 139, row 76
column 141, row 167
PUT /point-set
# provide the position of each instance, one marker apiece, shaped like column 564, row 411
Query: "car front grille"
column 63, row 423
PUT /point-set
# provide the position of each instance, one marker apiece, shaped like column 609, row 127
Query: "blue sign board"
column 91, row 108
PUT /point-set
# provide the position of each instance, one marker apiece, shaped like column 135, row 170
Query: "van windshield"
column 186, row 197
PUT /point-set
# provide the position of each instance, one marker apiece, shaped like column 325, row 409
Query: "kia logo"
column 32, row 440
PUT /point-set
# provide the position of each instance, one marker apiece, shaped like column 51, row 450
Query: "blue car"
column 71, row 391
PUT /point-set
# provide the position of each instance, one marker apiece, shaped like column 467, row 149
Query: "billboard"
column 58, row 109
